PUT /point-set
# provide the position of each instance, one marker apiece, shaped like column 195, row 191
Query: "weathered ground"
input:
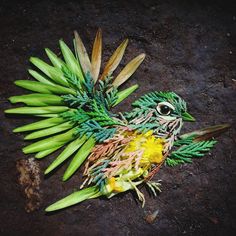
column 191, row 50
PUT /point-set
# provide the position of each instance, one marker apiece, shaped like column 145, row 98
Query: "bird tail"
column 62, row 87
column 74, row 198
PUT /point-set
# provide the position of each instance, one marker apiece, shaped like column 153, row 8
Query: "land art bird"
column 123, row 150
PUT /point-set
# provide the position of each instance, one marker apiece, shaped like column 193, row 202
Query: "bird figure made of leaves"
column 120, row 151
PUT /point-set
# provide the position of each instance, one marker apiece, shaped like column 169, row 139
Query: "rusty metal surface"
column 191, row 50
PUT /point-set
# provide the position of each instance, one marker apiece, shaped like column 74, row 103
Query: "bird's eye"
column 165, row 108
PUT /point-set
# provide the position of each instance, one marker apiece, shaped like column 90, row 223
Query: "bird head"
column 166, row 106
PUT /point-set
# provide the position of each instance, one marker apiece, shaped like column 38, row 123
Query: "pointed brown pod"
column 82, row 54
column 115, row 59
column 207, row 133
column 96, row 55
column 128, row 70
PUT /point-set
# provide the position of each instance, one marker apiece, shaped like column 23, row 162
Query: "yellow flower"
column 113, row 186
column 149, row 151
column 151, row 146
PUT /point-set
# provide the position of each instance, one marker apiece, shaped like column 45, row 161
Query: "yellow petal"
column 149, row 133
column 129, row 69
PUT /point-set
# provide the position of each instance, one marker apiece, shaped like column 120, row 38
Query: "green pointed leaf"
column 48, row 115
column 75, row 198
column 36, row 99
column 39, row 77
column 44, row 88
column 125, row 93
column 67, row 152
column 40, row 124
column 79, row 158
column 49, row 143
column 71, row 61
column 37, row 110
column 45, row 153
column 54, row 73
column 49, row 131
column 56, row 61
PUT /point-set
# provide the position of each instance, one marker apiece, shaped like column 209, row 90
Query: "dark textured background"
column 190, row 47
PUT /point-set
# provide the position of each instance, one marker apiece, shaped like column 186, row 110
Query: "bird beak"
column 187, row 117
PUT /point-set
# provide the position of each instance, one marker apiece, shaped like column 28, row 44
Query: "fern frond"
column 193, row 150
column 185, row 141
column 91, row 127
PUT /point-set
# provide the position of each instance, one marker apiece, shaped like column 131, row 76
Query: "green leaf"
column 56, row 61
column 67, row 152
column 37, row 110
column 44, row 88
column 49, row 115
column 49, row 131
column 79, row 158
column 51, row 142
column 125, row 93
column 36, row 99
column 54, row 73
column 71, row 61
column 45, row 153
column 39, row 77
column 74, row 198
column 40, row 124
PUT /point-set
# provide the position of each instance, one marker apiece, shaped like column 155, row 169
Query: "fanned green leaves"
column 66, row 97
column 105, row 94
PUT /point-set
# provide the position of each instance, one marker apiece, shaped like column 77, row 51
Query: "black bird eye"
column 165, row 108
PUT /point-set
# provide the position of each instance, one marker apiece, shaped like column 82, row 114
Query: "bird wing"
column 73, row 100
column 195, row 144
